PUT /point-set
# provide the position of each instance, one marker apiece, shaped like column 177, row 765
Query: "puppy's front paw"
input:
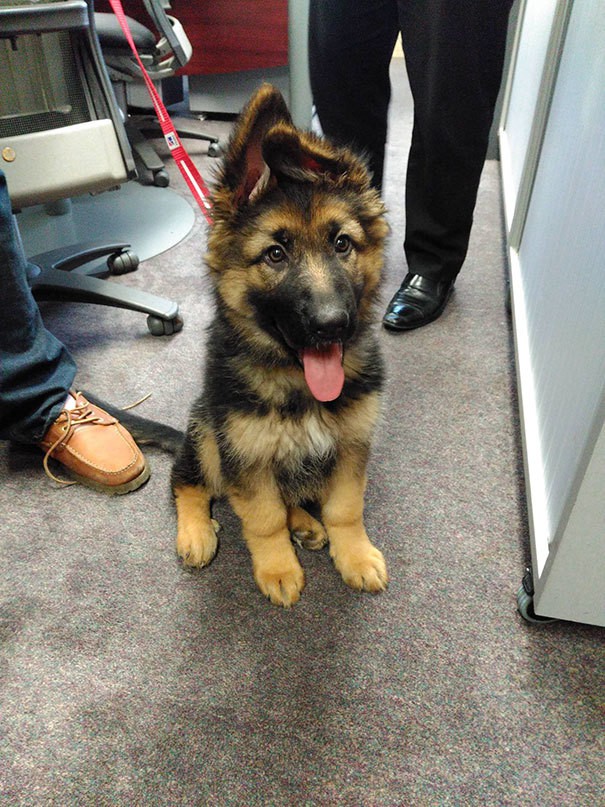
column 196, row 543
column 362, row 567
column 196, row 539
column 282, row 584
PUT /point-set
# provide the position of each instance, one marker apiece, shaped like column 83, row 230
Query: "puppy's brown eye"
column 342, row 244
column 275, row 254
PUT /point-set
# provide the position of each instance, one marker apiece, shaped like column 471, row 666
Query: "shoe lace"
column 77, row 416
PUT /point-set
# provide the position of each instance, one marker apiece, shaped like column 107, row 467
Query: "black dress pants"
column 454, row 52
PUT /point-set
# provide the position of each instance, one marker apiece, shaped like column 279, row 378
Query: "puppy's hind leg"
column 305, row 530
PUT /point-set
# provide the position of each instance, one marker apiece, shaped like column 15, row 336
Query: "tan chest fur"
column 317, row 433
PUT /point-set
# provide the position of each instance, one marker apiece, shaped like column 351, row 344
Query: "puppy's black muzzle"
column 329, row 322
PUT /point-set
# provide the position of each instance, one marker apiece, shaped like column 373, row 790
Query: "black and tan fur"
column 295, row 255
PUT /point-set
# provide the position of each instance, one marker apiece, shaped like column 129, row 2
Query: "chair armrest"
column 171, row 30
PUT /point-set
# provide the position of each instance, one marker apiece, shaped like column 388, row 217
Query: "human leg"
column 36, row 376
column 350, row 48
column 454, row 56
column 37, row 370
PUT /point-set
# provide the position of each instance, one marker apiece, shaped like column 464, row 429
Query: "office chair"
column 161, row 58
column 61, row 135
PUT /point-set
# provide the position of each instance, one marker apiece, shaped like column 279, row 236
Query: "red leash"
column 191, row 175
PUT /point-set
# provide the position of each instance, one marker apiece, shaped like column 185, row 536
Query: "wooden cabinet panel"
column 232, row 35
column 226, row 35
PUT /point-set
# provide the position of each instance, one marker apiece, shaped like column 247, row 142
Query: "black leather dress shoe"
column 418, row 301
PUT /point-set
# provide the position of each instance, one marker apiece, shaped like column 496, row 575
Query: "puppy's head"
column 296, row 247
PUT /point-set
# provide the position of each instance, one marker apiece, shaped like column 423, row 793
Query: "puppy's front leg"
column 264, row 518
column 359, row 562
column 196, row 539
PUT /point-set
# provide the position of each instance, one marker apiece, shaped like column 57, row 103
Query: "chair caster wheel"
column 164, row 327
column 215, row 150
column 161, row 178
column 122, row 262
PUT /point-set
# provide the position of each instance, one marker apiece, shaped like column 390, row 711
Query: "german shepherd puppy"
column 293, row 371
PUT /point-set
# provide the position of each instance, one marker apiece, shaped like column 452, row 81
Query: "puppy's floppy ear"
column 244, row 168
column 303, row 157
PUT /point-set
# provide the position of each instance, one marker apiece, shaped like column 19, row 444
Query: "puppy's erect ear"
column 244, row 168
column 304, row 157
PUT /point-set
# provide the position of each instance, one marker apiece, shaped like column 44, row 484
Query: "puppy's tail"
column 145, row 432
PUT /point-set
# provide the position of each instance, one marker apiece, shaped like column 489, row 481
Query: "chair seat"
column 112, row 36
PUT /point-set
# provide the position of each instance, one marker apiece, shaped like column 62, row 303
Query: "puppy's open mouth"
column 324, row 372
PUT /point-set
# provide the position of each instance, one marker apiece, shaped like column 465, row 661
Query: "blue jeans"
column 36, row 370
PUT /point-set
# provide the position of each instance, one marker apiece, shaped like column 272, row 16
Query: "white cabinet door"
column 557, row 263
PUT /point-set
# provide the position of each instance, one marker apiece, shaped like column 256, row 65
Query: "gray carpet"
column 126, row 680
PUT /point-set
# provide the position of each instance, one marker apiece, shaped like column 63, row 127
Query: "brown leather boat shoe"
column 95, row 448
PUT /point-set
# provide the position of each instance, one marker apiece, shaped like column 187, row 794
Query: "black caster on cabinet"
column 508, row 303
column 525, row 601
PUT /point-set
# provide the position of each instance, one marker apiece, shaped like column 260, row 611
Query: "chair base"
column 148, row 161
column 150, row 219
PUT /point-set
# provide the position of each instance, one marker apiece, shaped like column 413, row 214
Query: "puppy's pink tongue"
column 324, row 373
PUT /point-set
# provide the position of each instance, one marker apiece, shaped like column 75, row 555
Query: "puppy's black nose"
column 330, row 322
